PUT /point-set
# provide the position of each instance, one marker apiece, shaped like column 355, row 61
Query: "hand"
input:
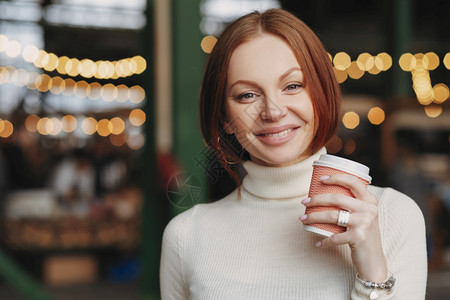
column 362, row 235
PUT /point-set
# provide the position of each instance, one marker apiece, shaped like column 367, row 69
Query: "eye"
column 293, row 86
column 247, row 96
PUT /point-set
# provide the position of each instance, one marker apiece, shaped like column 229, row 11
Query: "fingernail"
column 324, row 177
column 304, row 201
column 302, row 218
column 318, row 244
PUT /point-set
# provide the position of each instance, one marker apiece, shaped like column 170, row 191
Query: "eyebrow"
column 283, row 76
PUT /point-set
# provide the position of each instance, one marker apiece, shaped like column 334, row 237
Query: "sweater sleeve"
column 172, row 278
column 402, row 228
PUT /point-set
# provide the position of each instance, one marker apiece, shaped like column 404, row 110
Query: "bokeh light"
column 350, row 120
column 207, row 44
column 137, row 117
column 7, row 129
column 376, row 115
column 433, row 111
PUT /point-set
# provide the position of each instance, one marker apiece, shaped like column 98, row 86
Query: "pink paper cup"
column 328, row 165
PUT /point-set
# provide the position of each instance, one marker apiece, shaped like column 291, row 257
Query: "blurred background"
column 100, row 143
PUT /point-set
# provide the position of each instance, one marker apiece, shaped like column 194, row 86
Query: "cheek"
column 239, row 117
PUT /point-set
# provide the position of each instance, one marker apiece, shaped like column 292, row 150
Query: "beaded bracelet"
column 386, row 285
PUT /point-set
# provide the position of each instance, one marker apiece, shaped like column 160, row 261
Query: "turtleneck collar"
column 279, row 182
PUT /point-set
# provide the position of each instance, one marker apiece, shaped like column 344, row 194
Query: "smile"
column 282, row 133
column 277, row 136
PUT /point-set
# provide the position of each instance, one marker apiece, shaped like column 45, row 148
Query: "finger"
column 335, row 240
column 339, row 200
column 353, row 183
column 329, row 216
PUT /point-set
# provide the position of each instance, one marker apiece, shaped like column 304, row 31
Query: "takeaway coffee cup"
column 327, row 165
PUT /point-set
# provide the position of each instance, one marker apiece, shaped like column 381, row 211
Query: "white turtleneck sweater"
column 255, row 247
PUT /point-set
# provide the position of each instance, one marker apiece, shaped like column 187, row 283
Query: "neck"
column 280, row 182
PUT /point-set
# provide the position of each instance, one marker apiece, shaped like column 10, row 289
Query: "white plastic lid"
column 343, row 164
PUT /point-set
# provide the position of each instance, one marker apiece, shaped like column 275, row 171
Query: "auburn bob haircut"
column 316, row 66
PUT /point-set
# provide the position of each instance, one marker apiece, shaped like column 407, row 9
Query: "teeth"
column 284, row 132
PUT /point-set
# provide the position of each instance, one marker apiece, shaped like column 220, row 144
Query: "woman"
column 270, row 100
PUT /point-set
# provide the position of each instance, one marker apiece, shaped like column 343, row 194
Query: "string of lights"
column 69, row 87
column 87, row 68
column 115, row 128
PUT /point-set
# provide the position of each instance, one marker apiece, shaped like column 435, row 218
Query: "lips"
column 277, row 135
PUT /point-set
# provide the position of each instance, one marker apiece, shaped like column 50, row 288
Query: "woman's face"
column 268, row 107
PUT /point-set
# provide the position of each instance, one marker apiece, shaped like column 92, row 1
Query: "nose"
column 271, row 110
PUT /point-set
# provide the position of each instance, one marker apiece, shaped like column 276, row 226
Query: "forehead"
column 264, row 55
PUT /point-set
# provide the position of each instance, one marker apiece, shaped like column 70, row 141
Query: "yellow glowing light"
column 365, row 61
column 137, row 117
column 122, row 68
column 31, row 123
column 441, row 93
column 3, row 42
column 72, row 67
column 137, row 94
column 52, row 63
column 96, row 89
column 341, row 76
column 433, row 111
column 341, row 61
column 42, row 126
column 13, row 48
column 133, row 65
column 376, row 116
column 354, row 71
column 8, row 129
column 109, row 92
column 30, row 53
column 103, row 127
column 111, row 70
column 69, row 123
column 43, row 83
column 81, row 89
column 69, row 84
column 374, row 70
column 122, row 93
column 58, row 85
column 62, row 62
column 386, row 61
column 102, row 69
column 88, row 68
column 447, row 60
column 55, row 126
column 407, row 62
column 141, row 64
column 117, row 125
column 432, row 60
column 350, row 120
column 41, row 59
column 89, row 125
column 207, row 44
